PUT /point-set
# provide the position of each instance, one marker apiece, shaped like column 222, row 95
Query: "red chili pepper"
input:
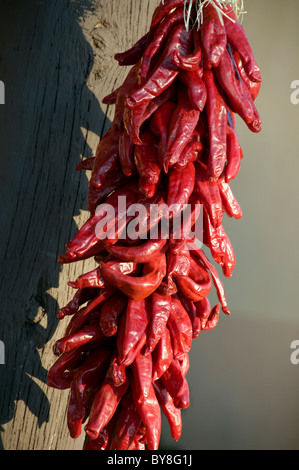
column 191, row 289
column 123, row 92
column 110, row 313
column 217, row 117
column 106, row 158
column 140, row 253
column 196, row 88
column 134, row 54
column 90, row 333
column 180, row 187
column 203, row 310
column 172, row 414
column 178, row 263
column 239, row 42
column 150, row 414
column 80, row 298
column 234, row 155
column 180, row 328
column 137, row 288
column 142, row 369
column 209, row 195
column 127, row 427
column 220, row 246
column 146, row 158
column 229, row 202
column 126, row 154
column 135, row 117
column 160, row 36
column 191, row 153
column 191, row 62
column 83, row 388
column 213, row 319
column 253, row 87
column 116, row 373
column 190, row 308
column 162, row 355
column 103, row 407
column 176, row 384
column 182, row 125
column 97, row 196
column 86, row 164
column 160, row 311
column 134, row 323
column 159, row 125
column 165, row 71
column 230, row 82
column 163, row 10
column 103, row 441
column 213, row 37
column 63, row 371
column 196, row 252
column 91, row 310
column 91, row 279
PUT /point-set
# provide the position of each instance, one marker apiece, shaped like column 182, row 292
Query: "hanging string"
column 237, row 6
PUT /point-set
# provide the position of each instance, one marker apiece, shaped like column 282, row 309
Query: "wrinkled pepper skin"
column 169, row 156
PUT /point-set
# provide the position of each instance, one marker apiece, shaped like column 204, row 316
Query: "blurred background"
column 244, row 388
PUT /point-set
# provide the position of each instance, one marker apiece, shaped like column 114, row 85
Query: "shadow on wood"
column 45, row 61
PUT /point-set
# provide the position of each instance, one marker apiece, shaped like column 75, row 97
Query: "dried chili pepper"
column 125, row 353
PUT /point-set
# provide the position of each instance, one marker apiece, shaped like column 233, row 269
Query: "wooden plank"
column 56, row 62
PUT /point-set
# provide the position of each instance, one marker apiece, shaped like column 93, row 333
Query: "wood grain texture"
column 56, row 61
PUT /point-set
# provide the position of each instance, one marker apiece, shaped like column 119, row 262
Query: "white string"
column 237, row 5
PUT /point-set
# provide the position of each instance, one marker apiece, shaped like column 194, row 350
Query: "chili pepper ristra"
column 172, row 142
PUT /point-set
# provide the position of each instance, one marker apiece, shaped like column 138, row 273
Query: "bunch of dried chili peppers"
column 172, row 142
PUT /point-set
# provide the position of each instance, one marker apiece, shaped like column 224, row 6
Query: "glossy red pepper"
column 165, row 71
column 196, row 88
column 162, row 355
column 135, row 321
column 180, row 328
column 238, row 40
column 137, row 288
column 104, row 405
column 191, row 62
column 176, row 384
column 171, row 412
column 140, row 253
column 234, row 155
column 127, row 427
column 217, row 117
column 160, row 311
column 110, row 313
column 209, row 195
column 160, row 36
column 83, row 388
column 134, row 54
column 142, row 370
column 182, row 125
column 146, row 158
column 164, row 9
column 229, row 202
column 213, row 37
column 159, row 125
column 89, row 333
column 150, row 414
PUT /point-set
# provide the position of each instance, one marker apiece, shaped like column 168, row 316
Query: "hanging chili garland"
column 173, row 140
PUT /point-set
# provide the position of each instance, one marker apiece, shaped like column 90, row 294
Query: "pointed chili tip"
column 61, row 259
column 226, row 311
column 72, row 284
column 92, row 434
